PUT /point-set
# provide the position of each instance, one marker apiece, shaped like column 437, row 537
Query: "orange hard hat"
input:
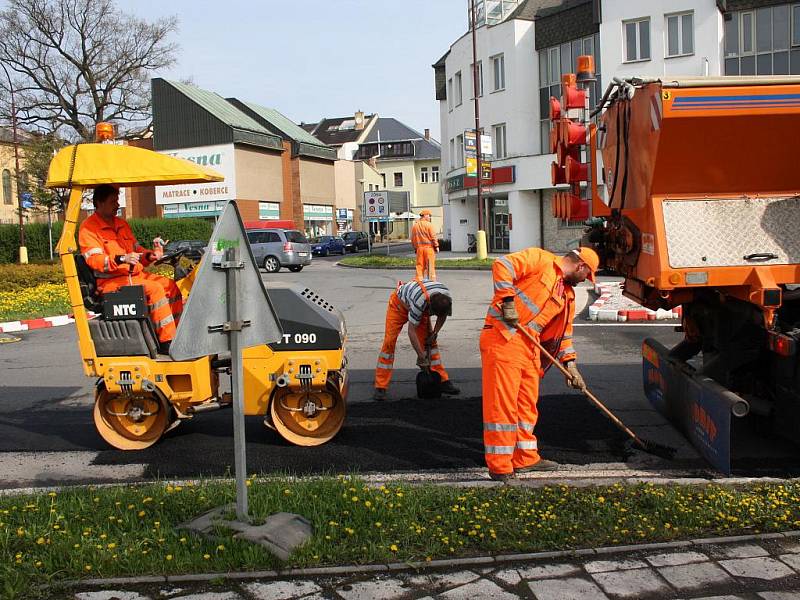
column 590, row 258
column 424, row 212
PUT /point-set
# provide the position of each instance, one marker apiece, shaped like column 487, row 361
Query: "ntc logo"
column 124, row 310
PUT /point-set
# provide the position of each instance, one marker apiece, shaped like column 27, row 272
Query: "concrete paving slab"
column 510, row 577
column 696, row 576
column 727, row 597
column 571, row 588
column 442, row 581
column 110, row 595
column 212, row 596
column 369, row 590
column 779, row 595
column 483, row 589
column 281, row 590
column 762, row 567
column 793, row 560
column 602, row 566
column 739, row 551
column 632, row 584
column 671, row 559
column 549, row 571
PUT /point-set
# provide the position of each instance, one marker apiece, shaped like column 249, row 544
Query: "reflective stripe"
column 99, row 275
column 499, row 449
column 535, row 310
column 158, row 304
column 165, row 321
column 527, row 445
column 507, row 263
column 106, row 265
column 499, row 427
column 566, row 351
column 386, row 356
column 535, row 326
column 493, row 312
column 383, row 366
column 503, row 285
column 436, row 362
column 424, row 243
column 526, row 426
column 92, row 252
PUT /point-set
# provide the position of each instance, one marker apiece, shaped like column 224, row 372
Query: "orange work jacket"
column 101, row 244
column 532, row 277
column 423, row 234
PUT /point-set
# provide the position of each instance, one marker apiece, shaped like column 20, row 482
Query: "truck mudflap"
column 698, row 406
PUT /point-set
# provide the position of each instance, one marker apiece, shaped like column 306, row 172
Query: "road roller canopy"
column 95, row 164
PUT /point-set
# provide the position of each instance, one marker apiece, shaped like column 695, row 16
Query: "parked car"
column 194, row 248
column 276, row 248
column 327, row 244
column 355, row 241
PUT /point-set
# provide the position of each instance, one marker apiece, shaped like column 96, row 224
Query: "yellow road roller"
column 299, row 384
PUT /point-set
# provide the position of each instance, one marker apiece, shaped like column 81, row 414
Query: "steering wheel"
column 171, row 258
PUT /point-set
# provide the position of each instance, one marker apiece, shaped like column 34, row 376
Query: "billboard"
column 220, row 158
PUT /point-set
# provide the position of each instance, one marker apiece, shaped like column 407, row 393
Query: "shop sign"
column 193, row 209
column 341, row 214
column 269, row 210
column 317, row 212
column 454, row 183
column 220, row 158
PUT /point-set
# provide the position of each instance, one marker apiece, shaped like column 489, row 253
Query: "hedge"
column 144, row 230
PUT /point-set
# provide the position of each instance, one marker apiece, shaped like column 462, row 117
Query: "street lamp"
column 23, row 251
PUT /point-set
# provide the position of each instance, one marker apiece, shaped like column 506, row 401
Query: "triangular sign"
column 207, row 306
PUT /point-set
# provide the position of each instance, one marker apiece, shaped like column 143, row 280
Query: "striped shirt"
column 412, row 297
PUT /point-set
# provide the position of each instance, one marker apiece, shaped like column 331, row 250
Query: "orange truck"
column 695, row 201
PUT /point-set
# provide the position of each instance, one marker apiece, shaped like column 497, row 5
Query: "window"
column 434, row 174
column 383, row 177
column 480, row 79
column 499, row 132
column 796, row 25
column 637, row 40
column 499, row 72
column 423, row 175
column 458, row 89
column 459, row 150
column 450, row 94
column 398, row 180
column 748, row 33
column 7, row 198
column 452, row 153
column 680, row 34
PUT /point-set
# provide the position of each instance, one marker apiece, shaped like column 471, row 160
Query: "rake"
column 648, row 446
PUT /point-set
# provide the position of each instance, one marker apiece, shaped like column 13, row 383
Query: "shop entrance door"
column 498, row 234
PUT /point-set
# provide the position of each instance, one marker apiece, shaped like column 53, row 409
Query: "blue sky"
column 316, row 58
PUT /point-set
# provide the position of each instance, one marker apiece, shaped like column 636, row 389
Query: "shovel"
column 429, row 381
column 642, row 444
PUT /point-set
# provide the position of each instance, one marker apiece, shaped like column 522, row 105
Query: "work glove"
column 510, row 315
column 575, row 380
column 423, row 362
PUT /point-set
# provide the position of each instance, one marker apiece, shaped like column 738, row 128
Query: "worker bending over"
column 414, row 302
column 424, row 242
column 533, row 288
column 117, row 259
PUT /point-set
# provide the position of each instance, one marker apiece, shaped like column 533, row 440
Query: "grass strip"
column 131, row 530
column 402, row 262
column 43, row 300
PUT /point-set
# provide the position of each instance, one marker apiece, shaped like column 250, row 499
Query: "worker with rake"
column 533, row 294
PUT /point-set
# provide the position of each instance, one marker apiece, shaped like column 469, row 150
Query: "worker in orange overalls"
column 424, row 242
column 533, row 288
column 414, row 302
column 117, row 259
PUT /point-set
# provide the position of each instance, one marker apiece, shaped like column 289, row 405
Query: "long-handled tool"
column 642, row 444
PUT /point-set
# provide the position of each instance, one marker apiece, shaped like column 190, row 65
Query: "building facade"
column 521, row 56
column 272, row 168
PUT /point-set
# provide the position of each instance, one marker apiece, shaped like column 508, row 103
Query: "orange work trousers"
column 163, row 298
column 426, row 261
column 396, row 318
column 510, row 382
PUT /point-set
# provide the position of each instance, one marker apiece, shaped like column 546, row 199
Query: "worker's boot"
column 502, row 476
column 379, row 394
column 542, row 465
column 447, row 387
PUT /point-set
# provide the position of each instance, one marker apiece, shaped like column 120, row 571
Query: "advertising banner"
column 220, row 158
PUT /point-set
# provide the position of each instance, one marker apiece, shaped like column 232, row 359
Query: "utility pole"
column 481, row 237
column 23, row 251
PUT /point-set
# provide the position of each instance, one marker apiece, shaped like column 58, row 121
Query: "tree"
column 78, row 62
column 39, row 151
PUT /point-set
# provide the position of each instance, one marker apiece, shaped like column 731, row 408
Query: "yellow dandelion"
column 169, row 556
column 393, row 547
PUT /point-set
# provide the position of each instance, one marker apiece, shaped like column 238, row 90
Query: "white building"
column 525, row 46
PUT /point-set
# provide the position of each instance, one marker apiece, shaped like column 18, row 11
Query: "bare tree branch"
column 77, row 62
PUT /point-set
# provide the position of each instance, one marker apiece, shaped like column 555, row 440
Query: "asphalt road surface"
column 47, row 435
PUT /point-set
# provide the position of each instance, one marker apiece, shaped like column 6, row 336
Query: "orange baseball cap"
column 590, row 258
column 424, row 212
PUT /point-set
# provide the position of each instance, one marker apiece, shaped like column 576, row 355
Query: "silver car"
column 276, row 248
